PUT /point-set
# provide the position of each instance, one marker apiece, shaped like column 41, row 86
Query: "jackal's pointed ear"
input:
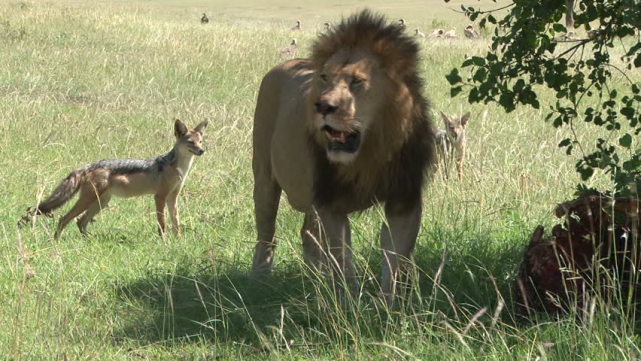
column 200, row 128
column 180, row 128
column 465, row 118
column 446, row 119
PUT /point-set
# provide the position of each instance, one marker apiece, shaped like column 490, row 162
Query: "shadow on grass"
column 221, row 304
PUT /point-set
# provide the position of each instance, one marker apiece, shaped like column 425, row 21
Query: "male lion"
column 340, row 132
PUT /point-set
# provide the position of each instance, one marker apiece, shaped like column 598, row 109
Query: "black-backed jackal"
column 451, row 142
column 163, row 176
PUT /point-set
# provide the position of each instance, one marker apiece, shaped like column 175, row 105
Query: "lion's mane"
column 399, row 148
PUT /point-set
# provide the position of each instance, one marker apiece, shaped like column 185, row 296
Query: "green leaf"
column 586, row 173
column 631, row 165
column 453, row 77
column 473, row 96
column 625, row 140
column 569, row 149
column 478, row 61
column 480, row 75
column 506, row 100
column 628, row 112
column 520, row 84
column 565, row 142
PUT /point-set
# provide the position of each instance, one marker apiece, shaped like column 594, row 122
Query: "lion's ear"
column 465, row 118
column 398, row 56
column 180, row 128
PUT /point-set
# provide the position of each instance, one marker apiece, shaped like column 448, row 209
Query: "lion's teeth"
column 336, row 135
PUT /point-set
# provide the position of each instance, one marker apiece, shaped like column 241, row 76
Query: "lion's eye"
column 357, row 81
column 324, row 77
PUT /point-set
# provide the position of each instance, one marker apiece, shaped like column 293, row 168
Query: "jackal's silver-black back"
column 130, row 165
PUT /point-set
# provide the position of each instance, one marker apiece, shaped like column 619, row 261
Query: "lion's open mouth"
column 340, row 141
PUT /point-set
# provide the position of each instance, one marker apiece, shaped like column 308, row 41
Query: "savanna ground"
column 86, row 80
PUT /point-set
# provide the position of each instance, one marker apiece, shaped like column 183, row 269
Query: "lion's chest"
column 347, row 192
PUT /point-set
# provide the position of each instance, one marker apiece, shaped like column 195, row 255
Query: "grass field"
column 86, row 80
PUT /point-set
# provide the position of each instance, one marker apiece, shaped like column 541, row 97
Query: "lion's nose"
column 325, row 108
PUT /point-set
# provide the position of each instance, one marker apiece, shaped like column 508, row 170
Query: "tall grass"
column 83, row 82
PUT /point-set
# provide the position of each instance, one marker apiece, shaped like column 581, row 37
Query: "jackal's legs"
column 161, row 200
column 88, row 195
column 92, row 211
column 172, row 205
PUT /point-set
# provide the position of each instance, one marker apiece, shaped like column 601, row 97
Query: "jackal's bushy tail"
column 63, row 192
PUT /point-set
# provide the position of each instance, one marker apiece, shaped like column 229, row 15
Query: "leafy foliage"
column 531, row 49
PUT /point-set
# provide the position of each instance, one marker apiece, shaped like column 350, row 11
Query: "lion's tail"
column 63, row 192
